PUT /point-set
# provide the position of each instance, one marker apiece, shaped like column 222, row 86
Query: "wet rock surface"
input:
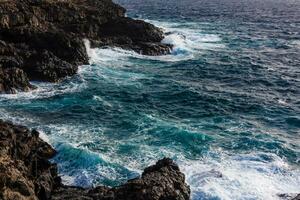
column 27, row 174
column 43, row 39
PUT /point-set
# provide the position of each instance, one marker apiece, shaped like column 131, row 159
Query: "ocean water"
column 225, row 104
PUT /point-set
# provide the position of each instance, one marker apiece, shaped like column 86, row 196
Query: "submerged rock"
column 27, row 174
column 43, row 39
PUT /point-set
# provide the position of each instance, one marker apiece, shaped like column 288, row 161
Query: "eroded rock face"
column 25, row 171
column 44, row 38
column 27, row 174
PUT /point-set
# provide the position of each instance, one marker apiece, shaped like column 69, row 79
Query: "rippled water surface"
column 227, row 101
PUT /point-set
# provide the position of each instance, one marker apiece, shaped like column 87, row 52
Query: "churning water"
column 225, row 104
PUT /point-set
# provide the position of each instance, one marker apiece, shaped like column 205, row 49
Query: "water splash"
column 242, row 176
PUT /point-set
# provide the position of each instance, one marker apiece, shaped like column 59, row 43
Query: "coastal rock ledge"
column 42, row 40
column 27, row 174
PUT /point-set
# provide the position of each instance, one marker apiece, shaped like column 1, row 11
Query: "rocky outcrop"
column 43, row 39
column 12, row 79
column 25, row 171
column 27, row 174
column 137, row 35
column 162, row 181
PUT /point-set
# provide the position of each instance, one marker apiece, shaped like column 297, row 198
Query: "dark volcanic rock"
column 162, row 181
column 27, row 174
column 46, row 66
column 132, row 34
column 136, row 30
column 44, row 38
column 13, row 79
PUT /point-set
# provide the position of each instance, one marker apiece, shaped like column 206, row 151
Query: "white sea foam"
column 283, row 102
column 188, row 43
column 68, row 180
column 44, row 137
column 46, row 90
column 296, row 43
column 100, row 99
column 111, row 56
column 16, row 117
column 241, row 177
column 189, row 40
column 88, row 48
column 110, row 65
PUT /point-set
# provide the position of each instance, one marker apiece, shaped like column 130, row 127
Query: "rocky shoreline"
column 42, row 40
column 27, row 174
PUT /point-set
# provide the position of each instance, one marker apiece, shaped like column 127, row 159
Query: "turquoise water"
column 226, row 101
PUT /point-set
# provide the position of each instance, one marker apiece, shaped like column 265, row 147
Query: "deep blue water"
column 226, row 101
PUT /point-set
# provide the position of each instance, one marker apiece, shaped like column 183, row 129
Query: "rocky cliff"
column 42, row 40
column 27, row 174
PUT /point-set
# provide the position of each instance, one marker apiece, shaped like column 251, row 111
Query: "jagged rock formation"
column 27, row 174
column 42, row 40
